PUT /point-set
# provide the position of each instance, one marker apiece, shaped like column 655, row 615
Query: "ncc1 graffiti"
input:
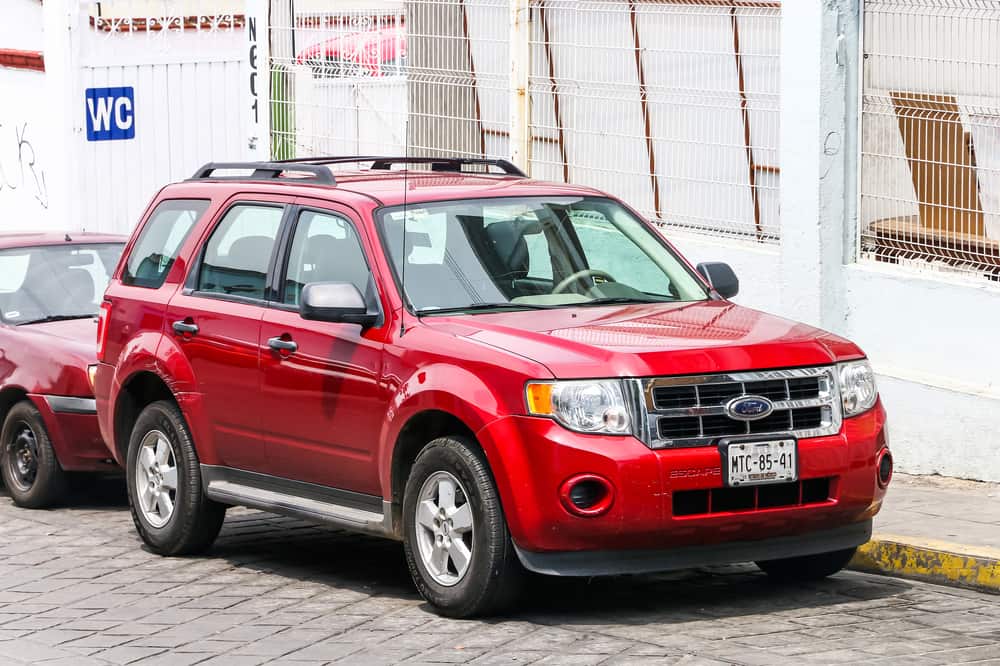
column 19, row 168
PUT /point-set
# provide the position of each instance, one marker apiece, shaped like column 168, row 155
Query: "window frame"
column 294, row 217
column 124, row 275
column 194, row 275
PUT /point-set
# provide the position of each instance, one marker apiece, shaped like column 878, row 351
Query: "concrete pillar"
column 819, row 75
column 520, row 71
column 65, row 114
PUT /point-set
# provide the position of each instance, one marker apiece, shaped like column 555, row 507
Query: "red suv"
column 505, row 374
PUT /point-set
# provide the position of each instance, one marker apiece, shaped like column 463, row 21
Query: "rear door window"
column 238, row 254
column 159, row 242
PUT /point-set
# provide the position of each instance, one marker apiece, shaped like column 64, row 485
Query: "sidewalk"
column 937, row 529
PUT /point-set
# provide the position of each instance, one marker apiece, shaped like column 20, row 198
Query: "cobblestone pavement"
column 77, row 588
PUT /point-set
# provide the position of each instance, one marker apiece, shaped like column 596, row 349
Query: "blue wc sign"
column 110, row 113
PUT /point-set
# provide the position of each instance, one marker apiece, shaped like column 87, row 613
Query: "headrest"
column 510, row 247
column 249, row 251
column 80, row 287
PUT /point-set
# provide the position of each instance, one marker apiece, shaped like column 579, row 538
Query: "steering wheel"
column 580, row 275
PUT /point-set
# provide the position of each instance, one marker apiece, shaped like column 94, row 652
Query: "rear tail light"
column 102, row 329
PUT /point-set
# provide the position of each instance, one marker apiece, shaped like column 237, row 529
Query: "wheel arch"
column 141, row 389
column 421, row 428
column 10, row 396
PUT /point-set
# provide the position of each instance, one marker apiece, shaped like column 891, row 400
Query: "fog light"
column 587, row 495
column 884, row 468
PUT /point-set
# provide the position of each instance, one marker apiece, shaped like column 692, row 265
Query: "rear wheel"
column 457, row 544
column 169, row 508
column 807, row 567
column 30, row 469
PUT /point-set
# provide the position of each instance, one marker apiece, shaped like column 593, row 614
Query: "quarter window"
column 238, row 253
column 160, row 240
column 325, row 249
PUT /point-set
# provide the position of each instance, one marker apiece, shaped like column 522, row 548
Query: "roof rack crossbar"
column 267, row 171
column 381, row 163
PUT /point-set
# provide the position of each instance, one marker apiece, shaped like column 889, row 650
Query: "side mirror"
column 721, row 277
column 336, row 302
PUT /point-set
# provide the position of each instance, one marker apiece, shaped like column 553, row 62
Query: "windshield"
column 527, row 253
column 52, row 282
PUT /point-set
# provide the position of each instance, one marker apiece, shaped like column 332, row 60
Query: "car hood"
column 77, row 337
column 651, row 339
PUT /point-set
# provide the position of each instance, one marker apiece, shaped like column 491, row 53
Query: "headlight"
column 584, row 406
column 857, row 387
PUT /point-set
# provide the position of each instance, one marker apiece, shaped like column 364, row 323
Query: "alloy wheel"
column 156, row 478
column 444, row 528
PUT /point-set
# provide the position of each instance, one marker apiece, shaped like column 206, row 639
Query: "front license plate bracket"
column 758, row 462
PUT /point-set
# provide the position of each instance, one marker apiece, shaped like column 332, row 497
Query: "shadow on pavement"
column 301, row 551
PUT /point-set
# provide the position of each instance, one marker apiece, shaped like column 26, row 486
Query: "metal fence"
column 670, row 104
column 930, row 185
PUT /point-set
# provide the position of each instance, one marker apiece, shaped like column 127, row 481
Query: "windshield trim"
column 379, row 213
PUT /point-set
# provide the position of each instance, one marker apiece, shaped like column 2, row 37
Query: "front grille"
column 751, row 498
column 691, row 411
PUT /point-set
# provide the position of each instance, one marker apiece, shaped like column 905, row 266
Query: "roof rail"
column 448, row 164
column 267, row 171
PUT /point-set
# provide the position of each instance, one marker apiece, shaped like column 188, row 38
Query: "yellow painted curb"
column 934, row 561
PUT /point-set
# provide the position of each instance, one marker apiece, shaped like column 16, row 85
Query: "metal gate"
column 163, row 92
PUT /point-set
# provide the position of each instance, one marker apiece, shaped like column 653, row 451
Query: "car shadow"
column 301, row 551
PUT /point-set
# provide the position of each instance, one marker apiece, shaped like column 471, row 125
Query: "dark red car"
column 50, row 290
column 505, row 374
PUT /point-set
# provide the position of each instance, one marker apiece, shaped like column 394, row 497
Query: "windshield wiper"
column 472, row 307
column 45, row 320
column 621, row 299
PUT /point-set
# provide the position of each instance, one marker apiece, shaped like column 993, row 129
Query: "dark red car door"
column 320, row 381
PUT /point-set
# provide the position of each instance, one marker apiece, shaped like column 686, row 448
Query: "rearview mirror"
column 721, row 277
column 336, row 302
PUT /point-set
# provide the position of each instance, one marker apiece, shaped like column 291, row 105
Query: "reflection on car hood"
column 651, row 339
column 76, row 336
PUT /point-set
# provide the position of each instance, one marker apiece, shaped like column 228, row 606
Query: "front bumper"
column 532, row 457
column 616, row 562
column 71, row 423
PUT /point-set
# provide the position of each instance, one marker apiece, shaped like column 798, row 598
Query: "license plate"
column 758, row 463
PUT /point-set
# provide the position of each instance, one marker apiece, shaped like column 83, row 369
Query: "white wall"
column 21, row 27
column 26, row 151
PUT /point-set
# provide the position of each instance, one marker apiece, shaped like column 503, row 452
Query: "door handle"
column 282, row 345
column 185, row 328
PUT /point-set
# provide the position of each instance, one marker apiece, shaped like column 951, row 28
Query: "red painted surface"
column 369, row 50
column 32, row 60
column 43, row 359
column 332, row 412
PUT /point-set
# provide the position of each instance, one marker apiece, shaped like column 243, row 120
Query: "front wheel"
column 169, row 508
column 456, row 540
column 30, row 469
column 807, row 567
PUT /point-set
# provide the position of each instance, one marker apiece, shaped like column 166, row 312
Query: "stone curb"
column 940, row 562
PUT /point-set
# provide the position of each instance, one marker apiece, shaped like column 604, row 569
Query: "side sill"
column 615, row 562
column 320, row 504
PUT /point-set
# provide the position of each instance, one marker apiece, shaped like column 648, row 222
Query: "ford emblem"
column 749, row 408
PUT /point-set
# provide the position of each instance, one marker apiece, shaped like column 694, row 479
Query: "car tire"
column 807, row 567
column 492, row 576
column 31, row 471
column 169, row 507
